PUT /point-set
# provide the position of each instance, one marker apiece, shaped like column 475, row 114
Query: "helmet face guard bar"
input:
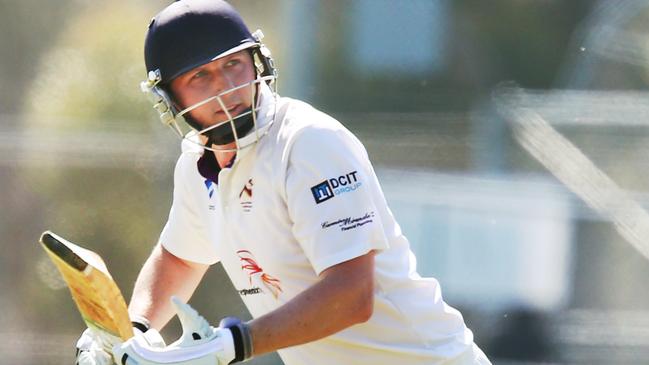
column 232, row 129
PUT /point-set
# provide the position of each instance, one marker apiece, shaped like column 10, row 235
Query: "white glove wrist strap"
column 242, row 340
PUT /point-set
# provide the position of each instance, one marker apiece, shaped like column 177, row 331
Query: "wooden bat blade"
column 94, row 291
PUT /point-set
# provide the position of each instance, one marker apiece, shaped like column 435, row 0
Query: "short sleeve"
column 331, row 197
column 186, row 234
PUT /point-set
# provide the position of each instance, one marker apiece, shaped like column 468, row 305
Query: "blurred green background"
column 539, row 275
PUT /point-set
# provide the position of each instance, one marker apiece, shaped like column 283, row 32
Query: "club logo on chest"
column 245, row 196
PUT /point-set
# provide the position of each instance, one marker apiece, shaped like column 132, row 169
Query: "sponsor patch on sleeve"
column 335, row 186
column 347, row 223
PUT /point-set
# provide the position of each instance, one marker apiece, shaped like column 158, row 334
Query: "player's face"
column 212, row 79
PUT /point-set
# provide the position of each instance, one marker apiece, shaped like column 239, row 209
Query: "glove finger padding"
column 94, row 349
column 94, row 356
column 96, row 338
column 86, row 340
column 151, row 336
column 200, row 344
column 195, row 328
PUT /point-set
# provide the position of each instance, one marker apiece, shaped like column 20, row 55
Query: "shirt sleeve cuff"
column 204, row 259
column 346, row 255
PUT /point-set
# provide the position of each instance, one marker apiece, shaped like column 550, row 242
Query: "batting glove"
column 94, row 347
column 200, row 343
column 91, row 349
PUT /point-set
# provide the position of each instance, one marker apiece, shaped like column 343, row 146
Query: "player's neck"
column 224, row 158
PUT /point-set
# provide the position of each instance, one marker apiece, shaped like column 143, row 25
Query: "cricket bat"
column 96, row 294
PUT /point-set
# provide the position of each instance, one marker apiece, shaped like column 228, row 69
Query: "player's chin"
column 224, row 147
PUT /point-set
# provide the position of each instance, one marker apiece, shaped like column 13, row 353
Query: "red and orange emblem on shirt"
column 257, row 274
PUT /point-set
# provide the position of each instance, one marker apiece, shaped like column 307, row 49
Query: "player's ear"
column 171, row 97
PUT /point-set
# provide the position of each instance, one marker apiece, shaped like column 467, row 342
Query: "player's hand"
column 200, row 343
column 95, row 347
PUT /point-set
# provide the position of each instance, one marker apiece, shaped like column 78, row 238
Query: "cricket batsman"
column 285, row 197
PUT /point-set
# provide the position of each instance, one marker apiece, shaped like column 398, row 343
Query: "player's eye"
column 233, row 62
column 199, row 74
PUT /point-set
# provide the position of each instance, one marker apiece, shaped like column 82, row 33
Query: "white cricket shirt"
column 302, row 199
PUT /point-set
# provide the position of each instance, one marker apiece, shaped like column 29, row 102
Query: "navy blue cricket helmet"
column 190, row 33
